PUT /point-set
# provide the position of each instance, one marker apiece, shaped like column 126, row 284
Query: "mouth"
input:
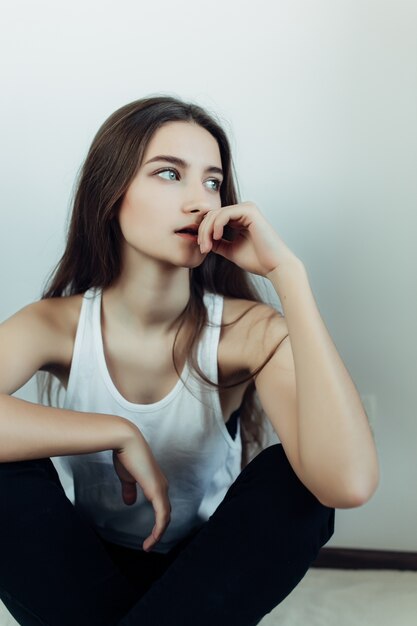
column 189, row 232
column 187, row 235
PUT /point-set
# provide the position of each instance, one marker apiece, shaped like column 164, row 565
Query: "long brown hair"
column 92, row 257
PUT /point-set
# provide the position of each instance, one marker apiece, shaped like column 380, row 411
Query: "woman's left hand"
column 254, row 245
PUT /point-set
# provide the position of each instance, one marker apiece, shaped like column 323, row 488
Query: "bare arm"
column 37, row 338
column 32, row 431
column 304, row 388
column 30, row 340
column 313, row 404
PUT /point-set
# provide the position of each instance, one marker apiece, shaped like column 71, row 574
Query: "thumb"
column 128, row 492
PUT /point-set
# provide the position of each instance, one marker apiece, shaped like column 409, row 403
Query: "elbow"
column 348, row 501
column 353, row 496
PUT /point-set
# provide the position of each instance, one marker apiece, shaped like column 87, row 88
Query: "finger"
column 213, row 230
column 223, row 249
column 204, row 233
column 220, row 229
column 162, row 508
column 150, row 541
column 223, row 236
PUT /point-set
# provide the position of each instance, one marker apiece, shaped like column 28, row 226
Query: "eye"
column 172, row 174
column 216, row 185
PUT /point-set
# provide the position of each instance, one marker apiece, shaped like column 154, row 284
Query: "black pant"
column 256, row 547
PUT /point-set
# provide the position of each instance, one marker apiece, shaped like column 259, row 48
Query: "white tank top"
column 186, row 433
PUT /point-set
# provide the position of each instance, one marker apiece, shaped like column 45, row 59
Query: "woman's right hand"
column 135, row 463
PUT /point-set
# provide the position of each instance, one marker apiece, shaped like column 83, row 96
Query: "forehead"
column 187, row 140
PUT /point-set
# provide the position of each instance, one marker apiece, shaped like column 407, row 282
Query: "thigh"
column 141, row 568
column 249, row 555
column 54, row 568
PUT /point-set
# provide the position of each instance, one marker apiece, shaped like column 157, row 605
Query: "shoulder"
column 52, row 314
column 56, row 320
column 252, row 330
column 63, row 314
column 59, row 314
column 36, row 337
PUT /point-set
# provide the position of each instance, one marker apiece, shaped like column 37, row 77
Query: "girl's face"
column 165, row 196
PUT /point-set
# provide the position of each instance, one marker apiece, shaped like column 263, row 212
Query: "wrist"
column 290, row 280
column 126, row 432
column 291, row 267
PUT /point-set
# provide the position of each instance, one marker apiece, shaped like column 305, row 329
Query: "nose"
column 198, row 208
column 198, row 201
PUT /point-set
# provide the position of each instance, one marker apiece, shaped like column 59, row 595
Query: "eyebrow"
column 182, row 163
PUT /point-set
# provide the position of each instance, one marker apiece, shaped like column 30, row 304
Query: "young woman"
column 154, row 328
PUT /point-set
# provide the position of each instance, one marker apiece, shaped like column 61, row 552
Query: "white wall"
column 319, row 99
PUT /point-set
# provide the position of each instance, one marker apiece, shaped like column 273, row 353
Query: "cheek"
column 128, row 217
column 140, row 224
column 132, row 215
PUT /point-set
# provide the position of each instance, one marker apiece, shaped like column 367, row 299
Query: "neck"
column 149, row 304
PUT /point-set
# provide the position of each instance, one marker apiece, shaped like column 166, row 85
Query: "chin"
column 192, row 264
column 195, row 259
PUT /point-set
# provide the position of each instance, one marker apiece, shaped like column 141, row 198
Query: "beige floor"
column 331, row 597
column 328, row 597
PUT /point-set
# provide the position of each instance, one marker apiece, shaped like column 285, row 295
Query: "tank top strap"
column 208, row 347
column 83, row 351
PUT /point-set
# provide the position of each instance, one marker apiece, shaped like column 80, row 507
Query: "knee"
column 27, row 481
column 272, row 468
column 22, row 470
column 278, row 495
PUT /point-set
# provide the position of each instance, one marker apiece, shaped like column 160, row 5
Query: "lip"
column 190, row 227
column 188, row 236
